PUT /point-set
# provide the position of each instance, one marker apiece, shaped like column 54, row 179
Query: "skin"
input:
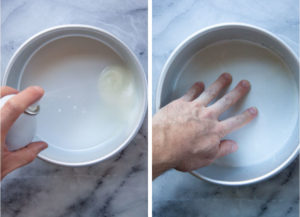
column 12, row 109
column 186, row 133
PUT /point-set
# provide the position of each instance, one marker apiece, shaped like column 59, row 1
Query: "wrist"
column 161, row 156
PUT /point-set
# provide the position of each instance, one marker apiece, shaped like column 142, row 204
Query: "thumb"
column 226, row 147
column 27, row 154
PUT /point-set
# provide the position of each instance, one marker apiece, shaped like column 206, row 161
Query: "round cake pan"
column 270, row 142
column 74, row 119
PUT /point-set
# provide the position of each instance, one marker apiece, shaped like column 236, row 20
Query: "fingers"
column 238, row 121
column 7, row 91
column 194, row 91
column 226, row 147
column 27, row 154
column 213, row 91
column 230, row 98
column 16, row 105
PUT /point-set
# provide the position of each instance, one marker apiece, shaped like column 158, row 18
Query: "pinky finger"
column 7, row 91
column 231, row 124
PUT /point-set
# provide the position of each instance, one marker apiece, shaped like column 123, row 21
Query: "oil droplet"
column 74, row 107
column 59, row 110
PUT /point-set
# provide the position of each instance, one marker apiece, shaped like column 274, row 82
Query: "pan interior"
column 79, row 119
column 269, row 139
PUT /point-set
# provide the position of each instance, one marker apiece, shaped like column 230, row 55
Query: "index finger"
column 16, row 105
column 238, row 121
column 6, row 90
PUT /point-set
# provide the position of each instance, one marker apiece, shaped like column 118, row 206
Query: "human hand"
column 12, row 109
column 186, row 133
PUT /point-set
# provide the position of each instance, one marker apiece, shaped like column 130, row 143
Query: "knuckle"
column 198, row 105
column 227, row 100
column 240, row 118
column 31, row 156
column 209, row 114
column 195, row 111
column 221, row 132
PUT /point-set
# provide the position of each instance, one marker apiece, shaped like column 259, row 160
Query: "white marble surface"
column 180, row 194
column 117, row 187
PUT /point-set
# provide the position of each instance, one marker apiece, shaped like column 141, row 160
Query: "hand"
column 187, row 133
column 11, row 110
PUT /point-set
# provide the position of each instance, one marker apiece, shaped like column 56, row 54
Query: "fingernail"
column 42, row 146
column 200, row 84
column 245, row 83
column 39, row 89
column 227, row 75
column 234, row 147
column 252, row 111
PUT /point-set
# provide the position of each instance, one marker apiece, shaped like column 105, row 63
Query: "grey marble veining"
column 117, row 187
column 180, row 194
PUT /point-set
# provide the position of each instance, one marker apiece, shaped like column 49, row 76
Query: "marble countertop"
column 117, row 187
column 180, row 194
